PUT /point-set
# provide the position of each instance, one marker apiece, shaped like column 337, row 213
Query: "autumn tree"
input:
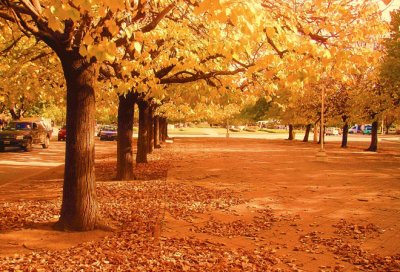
column 83, row 36
column 30, row 76
column 192, row 52
column 390, row 70
column 332, row 38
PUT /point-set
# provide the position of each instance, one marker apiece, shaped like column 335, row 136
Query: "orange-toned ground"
column 221, row 204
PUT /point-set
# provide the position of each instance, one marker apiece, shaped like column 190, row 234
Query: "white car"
column 332, row 131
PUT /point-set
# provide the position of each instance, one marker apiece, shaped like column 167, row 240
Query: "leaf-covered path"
column 226, row 205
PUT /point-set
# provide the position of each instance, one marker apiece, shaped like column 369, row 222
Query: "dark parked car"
column 108, row 133
column 24, row 133
column 367, row 130
column 62, row 134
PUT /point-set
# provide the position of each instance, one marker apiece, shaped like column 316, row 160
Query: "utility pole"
column 321, row 153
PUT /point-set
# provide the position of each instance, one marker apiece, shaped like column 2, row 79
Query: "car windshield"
column 19, row 126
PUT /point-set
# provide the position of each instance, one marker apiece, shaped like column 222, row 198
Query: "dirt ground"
column 221, row 204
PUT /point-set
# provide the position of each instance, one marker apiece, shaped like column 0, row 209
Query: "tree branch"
column 153, row 24
column 198, row 76
column 8, row 48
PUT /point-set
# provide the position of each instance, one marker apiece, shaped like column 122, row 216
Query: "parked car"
column 367, row 129
column 332, row 131
column 234, row 129
column 62, row 133
column 354, row 130
column 108, row 133
column 251, row 128
column 392, row 130
column 24, row 133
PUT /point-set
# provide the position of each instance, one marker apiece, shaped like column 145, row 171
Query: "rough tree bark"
column 307, row 134
column 321, row 135
column 150, row 129
column 166, row 128
column 157, row 132
column 79, row 205
column 291, row 132
column 125, row 161
column 163, row 128
column 374, row 137
column 345, row 133
column 142, row 143
column 316, row 132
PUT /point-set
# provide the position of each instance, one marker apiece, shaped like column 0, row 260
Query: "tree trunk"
column 125, row 162
column 79, row 204
column 315, row 138
column 321, row 134
column 157, row 132
column 14, row 114
column 345, row 135
column 166, row 128
column 161, row 124
column 374, row 137
column 150, row 129
column 17, row 112
column 291, row 134
column 307, row 134
column 142, row 142
column 163, row 129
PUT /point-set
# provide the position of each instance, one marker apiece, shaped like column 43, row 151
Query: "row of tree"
column 209, row 55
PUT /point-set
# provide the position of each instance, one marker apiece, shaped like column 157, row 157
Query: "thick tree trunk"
column 374, row 137
column 79, row 204
column 142, row 143
column 291, row 134
column 150, row 123
column 345, row 134
column 307, row 134
column 157, row 132
column 125, row 161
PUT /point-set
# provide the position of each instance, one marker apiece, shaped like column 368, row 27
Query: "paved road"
column 282, row 136
column 16, row 164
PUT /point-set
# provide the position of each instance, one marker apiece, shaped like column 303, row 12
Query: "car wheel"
column 46, row 142
column 28, row 146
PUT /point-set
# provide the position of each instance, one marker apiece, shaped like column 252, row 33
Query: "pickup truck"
column 24, row 133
